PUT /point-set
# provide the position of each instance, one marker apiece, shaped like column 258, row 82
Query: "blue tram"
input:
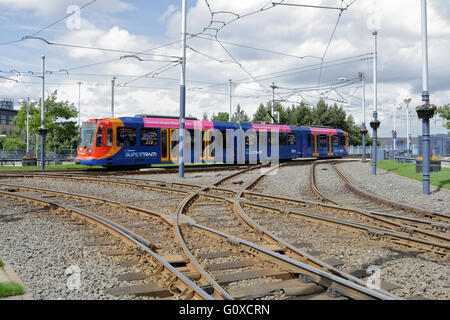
column 145, row 141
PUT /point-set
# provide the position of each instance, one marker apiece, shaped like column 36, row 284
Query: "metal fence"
column 55, row 154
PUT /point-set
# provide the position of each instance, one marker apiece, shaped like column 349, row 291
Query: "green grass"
column 57, row 167
column 438, row 179
column 11, row 289
column 1, row 263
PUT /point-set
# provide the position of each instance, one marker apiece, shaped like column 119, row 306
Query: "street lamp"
column 22, row 102
column 407, row 101
column 394, row 133
column 364, row 130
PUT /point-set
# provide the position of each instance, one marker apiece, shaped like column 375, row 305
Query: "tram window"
column 149, row 137
column 109, row 137
column 323, row 141
column 335, row 141
column 342, row 138
column 292, row 139
column 251, row 140
column 283, row 139
column 126, row 137
column 99, row 137
column 309, row 141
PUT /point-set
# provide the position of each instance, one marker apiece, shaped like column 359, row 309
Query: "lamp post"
column 22, row 102
column 363, row 126
column 182, row 92
column 394, row 133
column 42, row 130
column 425, row 112
column 375, row 124
column 408, row 127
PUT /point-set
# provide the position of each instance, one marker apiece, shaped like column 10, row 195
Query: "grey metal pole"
column 42, row 116
column 273, row 86
column 363, row 127
column 79, row 106
column 113, row 85
column 28, row 125
column 375, row 124
column 408, row 128
column 231, row 93
column 395, row 129
column 426, row 114
column 182, row 93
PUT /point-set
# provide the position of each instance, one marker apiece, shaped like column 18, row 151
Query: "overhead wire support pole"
column 363, row 126
column 273, row 86
column 231, row 96
column 375, row 124
column 43, row 132
column 79, row 106
column 182, row 92
column 113, row 85
column 426, row 112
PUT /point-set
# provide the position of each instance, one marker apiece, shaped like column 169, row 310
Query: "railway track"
column 228, row 194
column 353, row 197
column 295, row 286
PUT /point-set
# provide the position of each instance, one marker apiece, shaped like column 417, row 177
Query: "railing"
column 62, row 154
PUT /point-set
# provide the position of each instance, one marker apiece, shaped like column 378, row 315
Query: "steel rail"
column 390, row 203
column 126, row 235
column 163, row 186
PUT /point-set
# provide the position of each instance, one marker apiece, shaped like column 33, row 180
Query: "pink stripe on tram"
column 324, row 131
column 175, row 124
column 270, row 127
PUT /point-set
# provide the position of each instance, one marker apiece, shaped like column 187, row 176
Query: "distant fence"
column 51, row 155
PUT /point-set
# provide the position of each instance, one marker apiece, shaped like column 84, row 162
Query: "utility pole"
column 79, row 106
column 231, row 93
column 182, row 92
column 273, row 86
column 425, row 112
column 408, row 127
column 113, row 84
column 42, row 130
column 363, row 126
column 375, row 124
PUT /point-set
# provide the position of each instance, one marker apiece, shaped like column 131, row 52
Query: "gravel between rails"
column 395, row 187
column 203, row 179
column 291, row 182
column 423, row 273
column 41, row 249
column 160, row 201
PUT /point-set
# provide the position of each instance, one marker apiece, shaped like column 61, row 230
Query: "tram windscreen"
column 88, row 134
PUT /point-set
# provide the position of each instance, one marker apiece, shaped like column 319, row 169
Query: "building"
column 7, row 115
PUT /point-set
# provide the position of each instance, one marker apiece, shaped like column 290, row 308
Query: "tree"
column 240, row 115
column 444, row 113
column 222, row 116
column 262, row 114
column 62, row 133
column 13, row 141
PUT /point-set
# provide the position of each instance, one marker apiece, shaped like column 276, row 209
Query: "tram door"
column 330, row 146
column 165, row 145
column 316, row 148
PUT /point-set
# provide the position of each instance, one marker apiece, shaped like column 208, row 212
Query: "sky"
column 308, row 53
